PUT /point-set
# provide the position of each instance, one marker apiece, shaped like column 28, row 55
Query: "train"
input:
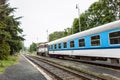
column 101, row 43
column 42, row 49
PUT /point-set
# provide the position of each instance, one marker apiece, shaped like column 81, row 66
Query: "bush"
column 4, row 50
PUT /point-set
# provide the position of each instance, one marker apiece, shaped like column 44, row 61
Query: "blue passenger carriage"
column 99, row 43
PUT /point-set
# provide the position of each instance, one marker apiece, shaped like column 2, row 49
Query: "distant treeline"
column 99, row 13
column 10, row 39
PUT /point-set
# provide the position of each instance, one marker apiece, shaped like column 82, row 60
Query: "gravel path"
column 22, row 71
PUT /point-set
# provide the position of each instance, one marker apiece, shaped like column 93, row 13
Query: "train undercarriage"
column 86, row 58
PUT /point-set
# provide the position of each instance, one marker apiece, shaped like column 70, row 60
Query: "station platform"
column 22, row 71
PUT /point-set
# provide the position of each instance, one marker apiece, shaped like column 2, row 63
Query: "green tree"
column 10, row 39
column 4, row 36
column 14, row 30
column 4, row 50
column 99, row 13
column 56, row 35
column 33, row 47
column 102, row 12
column 83, row 21
column 75, row 25
column 68, row 31
column 65, row 32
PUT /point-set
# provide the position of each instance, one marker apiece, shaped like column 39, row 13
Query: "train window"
column 114, row 37
column 55, row 46
column 65, row 44
column 49, row 47
column 81, row 42
column 45, row 45
column 95, row 40
column 59, row 45
column 72, row 44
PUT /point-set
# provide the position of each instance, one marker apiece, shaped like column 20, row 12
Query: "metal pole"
column 77, row 7
column 47, row 36
column 118, row 10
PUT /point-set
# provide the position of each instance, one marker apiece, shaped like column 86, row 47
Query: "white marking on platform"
column 38, row 68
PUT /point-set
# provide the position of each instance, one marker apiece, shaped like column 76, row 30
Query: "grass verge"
column 10, row 61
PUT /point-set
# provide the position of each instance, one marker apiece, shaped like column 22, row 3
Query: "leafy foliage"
column 99, row 13
column 10, row 39
column 75, row 25
column 33, row 47
column 4, row 50
column 56, row 35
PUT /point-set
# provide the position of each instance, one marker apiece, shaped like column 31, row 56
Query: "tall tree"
column 75, row 25
column 56, row 35
column 69, row 31
column 99, row 13
column 33, row 47
column 103, row 11
column 10, row 39
column 83, row 21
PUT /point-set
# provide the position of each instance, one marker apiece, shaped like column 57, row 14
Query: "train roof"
column 98, row 29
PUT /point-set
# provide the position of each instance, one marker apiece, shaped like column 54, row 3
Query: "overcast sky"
column 42, row 15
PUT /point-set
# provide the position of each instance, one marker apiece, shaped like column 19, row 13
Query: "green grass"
column 10, row 61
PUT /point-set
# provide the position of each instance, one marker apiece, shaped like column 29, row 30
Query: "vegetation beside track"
column 8, row 62
column 11, row 37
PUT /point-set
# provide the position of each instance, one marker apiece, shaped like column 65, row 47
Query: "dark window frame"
column 72, row 44
column 55, row 46
column 114, row 40
column 95, row 40
column 59, row 45
column 64, row 44
column 50, row 47
column 81, row 43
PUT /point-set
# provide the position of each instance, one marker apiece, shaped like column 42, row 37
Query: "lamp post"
column 47, row 36
column 77, row 7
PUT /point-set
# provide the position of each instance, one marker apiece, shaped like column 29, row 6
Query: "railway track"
column 60, row 72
